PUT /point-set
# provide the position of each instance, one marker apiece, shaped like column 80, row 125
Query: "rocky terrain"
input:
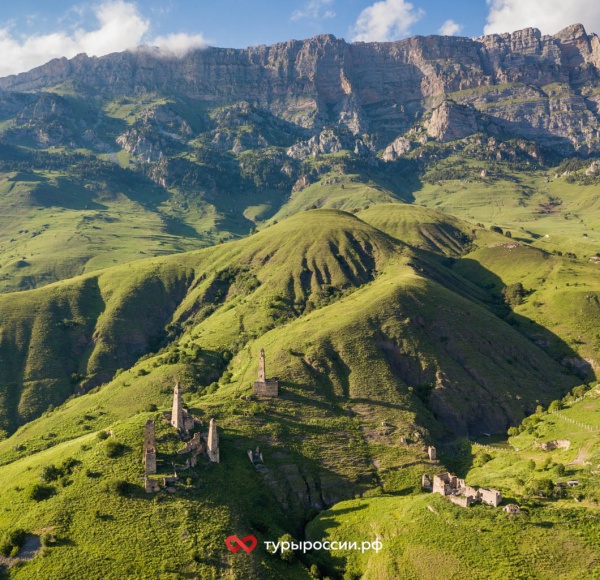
column 539, row 87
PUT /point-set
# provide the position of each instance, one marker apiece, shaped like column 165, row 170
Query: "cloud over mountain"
column 386, row 20
column 549, row 16
column 120, row 26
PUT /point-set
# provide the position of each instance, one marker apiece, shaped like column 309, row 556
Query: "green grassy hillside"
column 424, row 535
column 381, row 346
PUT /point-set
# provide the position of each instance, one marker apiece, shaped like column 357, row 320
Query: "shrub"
column 12, row 542
column 481, row 459
column 50, row 473
column 287, row 555
column 102, row 435
column 114, row 448
column 120, row 487
column 542, row 487
column 46, row 539
column 555, row 406
column 514, row 294
column 40, row 492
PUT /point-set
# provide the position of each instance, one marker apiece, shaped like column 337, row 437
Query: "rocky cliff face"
column 525, row 83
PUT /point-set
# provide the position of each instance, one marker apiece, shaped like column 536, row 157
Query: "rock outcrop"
column 531, row 85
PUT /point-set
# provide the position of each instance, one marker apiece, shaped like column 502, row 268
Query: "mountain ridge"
column 326, row 80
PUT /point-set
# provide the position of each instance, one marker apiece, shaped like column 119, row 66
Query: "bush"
column 555, row 406
column 102, row 435
column 12, row 542
column 121, row 487
column 40, row 492
column 46, row 539
column 514, row 294
column 50, row 473
column 287, row 555
column 542, row 487
column 481, row 459
column 114, row 449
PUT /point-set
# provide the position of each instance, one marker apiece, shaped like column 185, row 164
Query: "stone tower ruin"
column 262, row 369
column 212, row 446
column 180, row 418
column 177, row 413
column 265, row 387
column 150, row 447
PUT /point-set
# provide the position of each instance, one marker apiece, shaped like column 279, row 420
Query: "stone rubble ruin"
column 458, row 492
column 256, row 457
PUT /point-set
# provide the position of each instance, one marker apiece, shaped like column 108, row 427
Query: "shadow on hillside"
column 541, row 337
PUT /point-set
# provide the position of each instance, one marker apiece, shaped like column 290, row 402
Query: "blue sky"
column 33, row 32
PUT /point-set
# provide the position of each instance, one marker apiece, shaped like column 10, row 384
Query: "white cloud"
column 179, row 44
column 549, row 16
column 450, row 28
column 120, row 27
column 386, row 20
column 314, row 10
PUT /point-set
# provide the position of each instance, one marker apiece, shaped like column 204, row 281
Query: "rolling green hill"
column 366, row 331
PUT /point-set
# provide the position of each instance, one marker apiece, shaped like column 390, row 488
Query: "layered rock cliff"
column 539, row 87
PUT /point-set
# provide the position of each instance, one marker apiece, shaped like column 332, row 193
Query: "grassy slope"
column 417, row 542
column 335, row 302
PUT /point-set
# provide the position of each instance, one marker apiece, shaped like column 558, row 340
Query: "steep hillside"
column 224, row 297
column 414, row 530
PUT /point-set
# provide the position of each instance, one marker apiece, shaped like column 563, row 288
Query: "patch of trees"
column 514, row 294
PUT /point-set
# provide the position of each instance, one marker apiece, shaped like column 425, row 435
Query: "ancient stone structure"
column 432, row 452
column 151, row 485
column 446, row 483
column 265, row 387
column 150, row 447
column 179, row 416
column 558, row 444
column 511, row 508
column 255, row 456
column 458, row 492
column 462, row 500
column 212, row 448
column 426, row 482
column 490, row 496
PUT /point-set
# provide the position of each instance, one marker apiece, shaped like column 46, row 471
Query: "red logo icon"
column 247, row 544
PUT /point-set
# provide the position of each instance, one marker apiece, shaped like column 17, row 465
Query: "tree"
column 514, row 294
column 531, row 465
column 542, row 487
column 555, row 406
column 560, row 469
column 287, row 555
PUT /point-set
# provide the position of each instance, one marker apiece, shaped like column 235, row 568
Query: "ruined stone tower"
column 150, row 447
column 265, row 387
column 212, row 447
column 262, row 372
column 177, row 419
